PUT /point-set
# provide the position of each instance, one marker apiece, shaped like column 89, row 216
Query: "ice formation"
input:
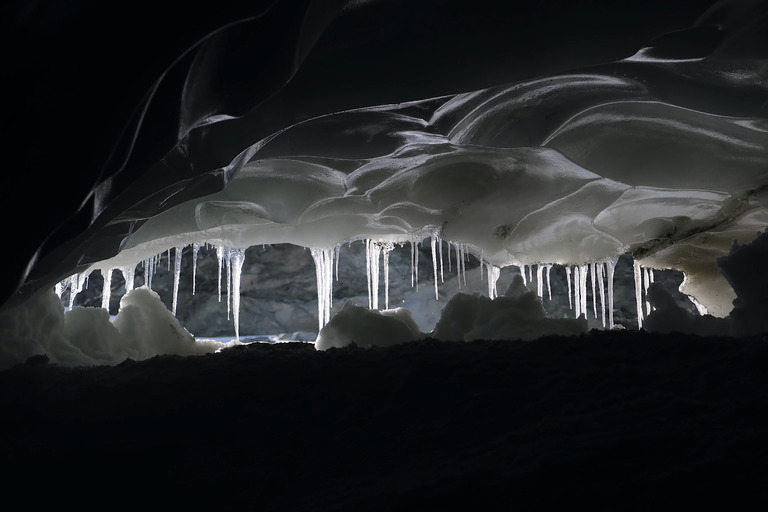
column 580, row 153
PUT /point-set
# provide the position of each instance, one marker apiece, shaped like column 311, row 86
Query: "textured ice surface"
column 651, row 150
column 614, row 169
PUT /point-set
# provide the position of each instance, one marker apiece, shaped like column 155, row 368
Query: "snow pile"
column 517, row 315
column 85, row 336
column 366, row 327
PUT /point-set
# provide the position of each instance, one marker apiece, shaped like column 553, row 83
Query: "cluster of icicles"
column 600, row 275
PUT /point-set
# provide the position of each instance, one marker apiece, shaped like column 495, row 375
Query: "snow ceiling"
column 535, row 133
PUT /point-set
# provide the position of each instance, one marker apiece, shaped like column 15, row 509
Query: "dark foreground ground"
column 609, row 421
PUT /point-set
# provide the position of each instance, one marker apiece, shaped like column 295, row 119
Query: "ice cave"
column 500, row 148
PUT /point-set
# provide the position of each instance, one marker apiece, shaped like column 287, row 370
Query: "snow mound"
column 367, row 327
column 142, row 329
column 519, row 315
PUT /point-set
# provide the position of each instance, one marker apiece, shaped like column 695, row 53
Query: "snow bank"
column 517, row 315
column 367, row 327
column 85, row 336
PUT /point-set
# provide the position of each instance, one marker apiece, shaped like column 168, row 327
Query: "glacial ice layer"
column 611, row 169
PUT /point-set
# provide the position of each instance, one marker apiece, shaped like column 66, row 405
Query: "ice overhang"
column 656, row 147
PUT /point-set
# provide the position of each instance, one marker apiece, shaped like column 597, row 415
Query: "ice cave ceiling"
column 535, row 132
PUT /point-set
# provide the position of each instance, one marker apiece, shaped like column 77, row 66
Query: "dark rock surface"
column 615, row 420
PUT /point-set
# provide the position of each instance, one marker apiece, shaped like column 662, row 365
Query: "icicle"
column 336, row 252
column 368, row 271
column 324, row 272
column 464, row 264
column 530, row 274
column 600, row 278
column 413, row 256
column 195, row 250
column 228, row 262
column 458, row 264
column 434, row 262
column 540, row 280
column 148, row 269
column 106, row 291
column 169, row 258
column 482, row 257
column 638, row 293
column 493, row 276
column 593, row 276
column 523, row 273
column 577, row 290
column 220, row 258
column 74, row 288
column 176, row 277
column 372, row 256
column 646, row 284
column 449, row 256
column 442, row 276
column 129, row 273
column 237, row 258
column 549, row 281
column 583, row 270
column 387, row 248
column 570, row 291
column 610, row 266
column 417, row 265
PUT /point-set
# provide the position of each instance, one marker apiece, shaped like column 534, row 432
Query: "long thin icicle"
column 570, row 290
column 600, row 278
column 324, row 272
column 106, row 290
column 434, row 262
column 228, row 262
column 413, row 259
column 593, row 276
column 549, row 281
column 522, row 273
column 176, row 277
column 577, row 289
column 440, row 243
column 638, row 293
column 236, row 258
column 336, row 252
column 386, row 249
column 540, row 280
column 610, row 266
column 368, row 272
column 458, row 264
column 195, row 250
column 646, row 284
column 583, row 269
column 220, row 259
column 372, row 250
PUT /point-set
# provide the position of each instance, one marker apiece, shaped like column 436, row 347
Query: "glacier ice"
column 664, row 159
